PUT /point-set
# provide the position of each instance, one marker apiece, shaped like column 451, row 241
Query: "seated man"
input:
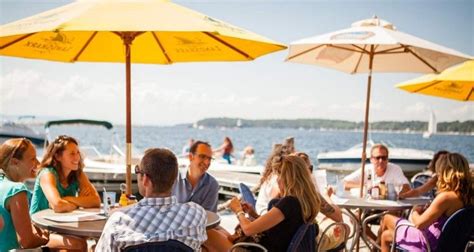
column 158, row 216
column 195, row 184
column 381, row 170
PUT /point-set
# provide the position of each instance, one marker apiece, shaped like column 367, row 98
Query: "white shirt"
column 393, row 175
column 264, row 196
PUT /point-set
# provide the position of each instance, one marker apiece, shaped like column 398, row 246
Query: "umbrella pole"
column 366, row 127
column 366, row 120
column 127, row 41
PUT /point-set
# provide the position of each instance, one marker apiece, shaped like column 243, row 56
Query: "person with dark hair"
column 61, row 184
column 226, row 150
column 431, row 183
column 158, row 216
column 195, row 184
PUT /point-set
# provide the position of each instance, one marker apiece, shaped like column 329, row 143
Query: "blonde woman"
column 17, row 163
column 61, row 184
column 454, row 192
column 299, row 204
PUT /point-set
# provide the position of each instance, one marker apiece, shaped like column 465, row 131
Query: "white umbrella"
column 373, row 45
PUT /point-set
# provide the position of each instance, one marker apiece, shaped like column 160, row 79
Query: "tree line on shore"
column 324, row 124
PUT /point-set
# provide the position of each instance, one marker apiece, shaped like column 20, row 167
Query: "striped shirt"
column 155, row 219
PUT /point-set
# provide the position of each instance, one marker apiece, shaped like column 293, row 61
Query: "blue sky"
column 265, row 88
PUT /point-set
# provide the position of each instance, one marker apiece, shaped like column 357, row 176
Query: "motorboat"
column 410, row 160
column 219, row 164
column 105, row 170
column 16, row 129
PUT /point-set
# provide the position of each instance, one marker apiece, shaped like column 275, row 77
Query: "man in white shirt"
column 380, row 170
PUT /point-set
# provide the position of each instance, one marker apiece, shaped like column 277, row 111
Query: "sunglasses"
column 383, row 158
column 138, row 171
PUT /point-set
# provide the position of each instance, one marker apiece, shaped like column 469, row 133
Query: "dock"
column 229, row 181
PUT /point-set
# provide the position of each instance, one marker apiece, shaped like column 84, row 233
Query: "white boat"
column 410, row 160
column 16, row 129
column 432, row 126
column 104, row 170
column 219, row 164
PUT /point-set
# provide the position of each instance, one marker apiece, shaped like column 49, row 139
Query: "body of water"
column 262, row 139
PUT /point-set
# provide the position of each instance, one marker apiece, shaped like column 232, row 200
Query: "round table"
column 88, row 229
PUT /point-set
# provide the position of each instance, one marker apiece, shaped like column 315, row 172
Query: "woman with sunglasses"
column 17, row 163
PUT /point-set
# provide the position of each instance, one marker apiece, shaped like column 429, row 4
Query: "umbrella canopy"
column 456, row 83
column 142, row 31
column 373, row 45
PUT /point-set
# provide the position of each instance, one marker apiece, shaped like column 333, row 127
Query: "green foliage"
column 456, row 126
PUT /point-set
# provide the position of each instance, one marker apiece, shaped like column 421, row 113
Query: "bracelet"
column 240, row 213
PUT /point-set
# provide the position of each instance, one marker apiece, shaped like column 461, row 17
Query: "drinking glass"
column 398, row 188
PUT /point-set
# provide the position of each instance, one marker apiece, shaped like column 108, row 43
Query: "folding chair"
column 162, row 246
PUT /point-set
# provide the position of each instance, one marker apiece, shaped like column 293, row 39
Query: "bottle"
column 375, row 192
column 123, row 200
column 369, row 185
column 383, row 190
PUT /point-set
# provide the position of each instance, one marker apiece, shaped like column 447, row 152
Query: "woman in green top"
column 17, row 163
column 61, row 184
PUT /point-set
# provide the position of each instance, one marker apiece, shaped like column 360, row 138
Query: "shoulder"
column 394, row 167
column 47, row 170
column 11, row 188
column 211, row 180
column 192, row 209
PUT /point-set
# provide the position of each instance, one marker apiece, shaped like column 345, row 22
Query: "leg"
column 217, row 240
column 386, row 240
column 66, row 243
column 388, row 222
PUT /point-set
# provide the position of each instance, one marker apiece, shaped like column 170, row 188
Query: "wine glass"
column 398, row 188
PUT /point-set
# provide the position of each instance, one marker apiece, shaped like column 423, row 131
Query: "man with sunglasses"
column 195, row 184
column 158, row 216
column 380, row 169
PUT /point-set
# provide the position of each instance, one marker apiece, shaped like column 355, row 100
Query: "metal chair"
column 455, row 234
column 303, row 240
column 247, row 194
column 341, row 246
column 420, row 179
column 162, row 246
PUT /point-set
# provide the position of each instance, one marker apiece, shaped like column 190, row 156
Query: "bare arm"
column 264, row 222
column 329, row 210
column 437, row 208
column 88, row 196
column 351, row 184
column 28, row 236
column 429, row 185
column 48, row 185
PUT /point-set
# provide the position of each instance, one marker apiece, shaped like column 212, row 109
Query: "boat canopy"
column 106, row 124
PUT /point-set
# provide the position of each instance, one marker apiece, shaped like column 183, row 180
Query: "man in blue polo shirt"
column 195, row 184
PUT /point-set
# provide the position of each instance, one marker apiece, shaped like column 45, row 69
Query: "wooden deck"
column 229, row 181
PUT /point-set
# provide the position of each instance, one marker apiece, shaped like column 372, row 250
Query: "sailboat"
column 431, row 126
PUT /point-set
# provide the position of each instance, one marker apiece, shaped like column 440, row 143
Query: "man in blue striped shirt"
column 158, row 216
column 195, row 184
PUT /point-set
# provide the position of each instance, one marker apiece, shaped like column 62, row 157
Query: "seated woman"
column 226, row 150
column 17, row 162
column 268, row 186
column 454, row 192
column 299, row 204
column 431, row 183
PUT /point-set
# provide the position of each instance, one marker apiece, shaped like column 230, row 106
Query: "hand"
column 235, row 205
column 329, row 191
column 248, row 208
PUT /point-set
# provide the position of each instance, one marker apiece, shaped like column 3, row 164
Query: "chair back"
column 247, row 194
column 305, row 238
column 457, row 230
column 162, row 246
column 420, row 179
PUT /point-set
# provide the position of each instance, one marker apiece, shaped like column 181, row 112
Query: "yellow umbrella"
column 157, row 31
column 453, row 83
